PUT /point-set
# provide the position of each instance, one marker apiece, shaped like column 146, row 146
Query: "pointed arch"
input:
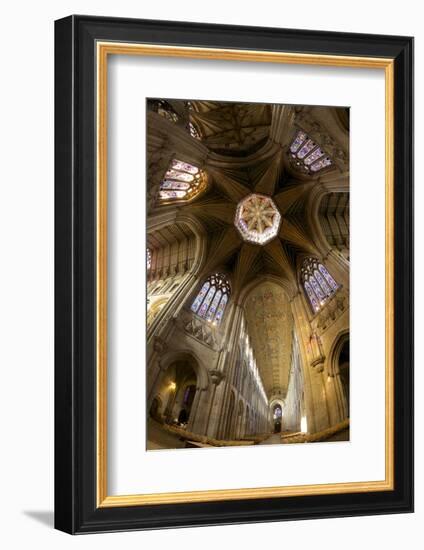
column 170, row 357
column 182, row 182
column 212, row 298
column 318, row 285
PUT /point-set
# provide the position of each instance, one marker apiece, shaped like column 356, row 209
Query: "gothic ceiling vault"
column 270, row 324
column 247, row 154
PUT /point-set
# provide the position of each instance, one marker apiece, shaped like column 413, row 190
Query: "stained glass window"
column 194, row 132
column 167, row 111
column 328, row 277
column 199, row 299
column 182, row 181
column 307, row 155
column 319, row 285
column 206, row 302
column 221, row 308
column 212, row 299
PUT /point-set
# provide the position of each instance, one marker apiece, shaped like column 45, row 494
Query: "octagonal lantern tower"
column 257, row 219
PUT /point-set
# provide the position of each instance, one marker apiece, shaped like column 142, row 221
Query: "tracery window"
column 167, row 111
column 182, row 181
column 148, row 259
column 212, row 299
column 307, row 154
column 317, row 282
column 194, row 132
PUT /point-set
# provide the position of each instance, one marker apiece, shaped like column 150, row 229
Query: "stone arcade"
column 247, row 274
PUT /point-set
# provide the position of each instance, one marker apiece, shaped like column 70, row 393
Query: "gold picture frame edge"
column 103, row 49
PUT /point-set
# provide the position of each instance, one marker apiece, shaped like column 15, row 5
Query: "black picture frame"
column 76, row 509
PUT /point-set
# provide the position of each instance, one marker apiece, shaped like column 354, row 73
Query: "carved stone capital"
column 216, row 376
column 318, row 363
column 159, row 345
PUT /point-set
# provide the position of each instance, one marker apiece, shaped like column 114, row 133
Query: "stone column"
column 225, row 364
column 196, row 423
column 212, row 419
column 154, row 370
column 193, row 412
column 338, row 267
column 313, row 365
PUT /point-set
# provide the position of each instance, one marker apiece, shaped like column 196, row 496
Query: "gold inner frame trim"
column 103, row 50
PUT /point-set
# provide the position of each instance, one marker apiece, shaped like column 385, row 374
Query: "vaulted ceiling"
column 231, row 128
column 236, row 173
column 270, row 327
column 244, row 149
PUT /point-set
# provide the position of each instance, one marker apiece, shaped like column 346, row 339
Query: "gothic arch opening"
column 340, row 374
column 277, row 414
column 343, row 366
column 181, row 393
column 155, row 408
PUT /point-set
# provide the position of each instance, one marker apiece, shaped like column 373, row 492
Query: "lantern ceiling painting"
column 257, row 219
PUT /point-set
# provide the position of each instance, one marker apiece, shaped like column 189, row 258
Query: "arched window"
column 306, row 154
column 194, row 132
column 182, row 182
column 166, row 110
column 319, row 285
column 212, row 299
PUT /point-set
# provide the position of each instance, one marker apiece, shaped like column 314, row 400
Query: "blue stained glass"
column 180, row 176
column 171, row 194
column 316, row 288
column 309, row 145
column 211, row 300
column 322, row 283
column 328, row 277
column 196, row 304
column 311, row 296
column 204, row 307
column 318, row 284
column 211, row 313
column 299, row 139
column 221, row 308
column 170, row 184
column 315, row 155
column 184, row 166
column 320, row 164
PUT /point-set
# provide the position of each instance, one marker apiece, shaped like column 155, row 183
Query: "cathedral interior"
column 247, row 274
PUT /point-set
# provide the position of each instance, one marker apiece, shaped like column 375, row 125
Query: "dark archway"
column 155, row 407
column 343, row 365
column 277, row 414
column 181, row 387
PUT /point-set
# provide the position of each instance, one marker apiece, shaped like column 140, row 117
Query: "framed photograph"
column 234, row 288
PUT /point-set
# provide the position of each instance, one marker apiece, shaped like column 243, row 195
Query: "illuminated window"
column 257, row 219
column 318, row 284
column 182, row 182
column 212, row 299
column 194, row 132
column 307, row 154
column 167, row 111
column 149, row 258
